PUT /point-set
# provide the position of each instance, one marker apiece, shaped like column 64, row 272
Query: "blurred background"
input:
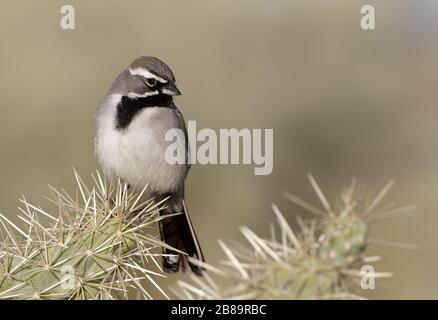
column 343, row 103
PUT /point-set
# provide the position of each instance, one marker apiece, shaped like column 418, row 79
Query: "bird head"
column 146, row 77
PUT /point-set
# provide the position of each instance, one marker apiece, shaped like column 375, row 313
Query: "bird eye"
column 151, row 82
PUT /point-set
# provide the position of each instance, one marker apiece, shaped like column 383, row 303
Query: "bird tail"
column 178, row 232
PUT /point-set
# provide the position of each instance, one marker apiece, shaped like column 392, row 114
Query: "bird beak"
column 170, row 89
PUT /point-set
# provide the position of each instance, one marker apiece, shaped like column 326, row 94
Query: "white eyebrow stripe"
column 142, row 72
column 134, row 95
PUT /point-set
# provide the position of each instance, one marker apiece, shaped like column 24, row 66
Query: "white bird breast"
column 136, row 154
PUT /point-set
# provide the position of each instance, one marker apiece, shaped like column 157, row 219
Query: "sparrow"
column 131, row 124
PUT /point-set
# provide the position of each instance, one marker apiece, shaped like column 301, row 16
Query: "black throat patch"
column 128, row 108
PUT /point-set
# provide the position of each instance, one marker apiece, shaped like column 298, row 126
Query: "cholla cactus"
column 101, row 246
column 98, row 247
column 323, row 260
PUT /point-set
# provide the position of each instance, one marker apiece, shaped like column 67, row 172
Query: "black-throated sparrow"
column 132, row 121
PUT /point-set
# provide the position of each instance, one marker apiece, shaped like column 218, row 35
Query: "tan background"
column 343, row 102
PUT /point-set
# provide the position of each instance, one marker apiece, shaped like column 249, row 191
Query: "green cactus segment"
column 307, row 278
column 315, row 271
column 344, row 241
column 321, row 259
column 98, row 250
